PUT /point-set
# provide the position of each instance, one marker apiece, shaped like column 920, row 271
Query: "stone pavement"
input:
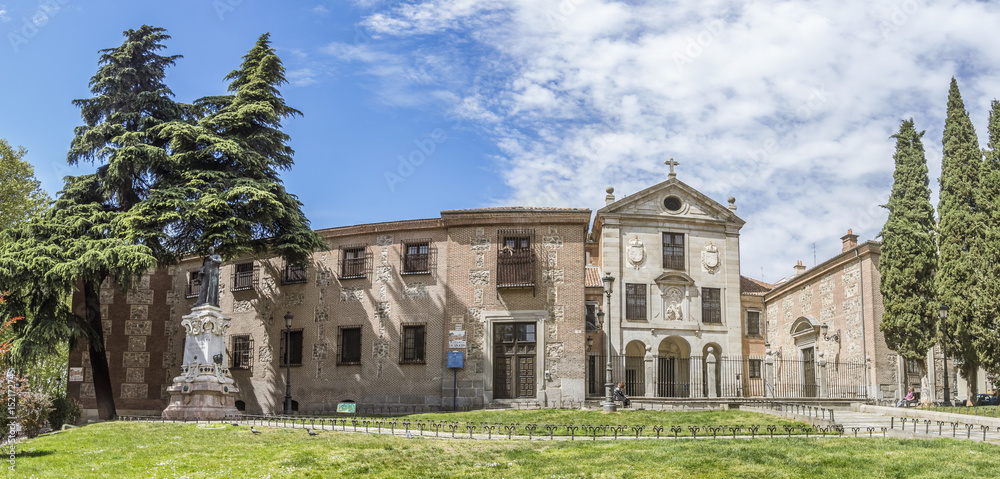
column 871, row 420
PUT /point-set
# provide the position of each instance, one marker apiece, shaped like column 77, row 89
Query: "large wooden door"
column 514, row 360
column 809, row 372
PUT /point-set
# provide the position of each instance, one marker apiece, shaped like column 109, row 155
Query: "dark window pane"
column 350, row 345
column 635, row 301
column 294, row 356
column 413, row 344
column 753, row 323
column 353, row 265
column 711, row 305
column 416, row 259
column 673, row 250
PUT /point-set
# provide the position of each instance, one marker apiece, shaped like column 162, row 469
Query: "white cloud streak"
column 786, row 105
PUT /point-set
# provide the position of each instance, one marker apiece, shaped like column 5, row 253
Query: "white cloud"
column 3, row 14
column 786, row 105
column 302, row 77
column 320, row 10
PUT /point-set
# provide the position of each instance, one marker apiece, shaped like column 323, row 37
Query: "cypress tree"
column 986, row 329
column 909, row 252
column 959, row 234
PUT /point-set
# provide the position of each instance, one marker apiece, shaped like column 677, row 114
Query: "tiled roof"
column 754, row 287
column 593, row 277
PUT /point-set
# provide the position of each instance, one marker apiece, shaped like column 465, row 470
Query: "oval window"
column 672, row 203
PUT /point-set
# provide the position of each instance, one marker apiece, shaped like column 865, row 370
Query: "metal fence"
column 735, row 376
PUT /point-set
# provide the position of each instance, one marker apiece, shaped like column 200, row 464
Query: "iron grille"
column 515, row 258
column 194, row 284
column 241, row 352
column 294, row 274
column 711, row 305
column 413, row 344
column 294, row 354
column 350, row 345
column 673, row 251
column 416, row 256
column 355, row 262
column 753, row 323
column 635, row 301
column 244, row 276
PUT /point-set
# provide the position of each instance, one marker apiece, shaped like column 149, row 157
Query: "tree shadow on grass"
column 32, row 453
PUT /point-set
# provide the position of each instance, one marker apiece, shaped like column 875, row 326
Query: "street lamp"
column 609, row 404
column 288, row 363
column 943, row 313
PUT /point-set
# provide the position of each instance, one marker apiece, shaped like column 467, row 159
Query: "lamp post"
column 288, row 363
column 943, row 313
column 609, row 404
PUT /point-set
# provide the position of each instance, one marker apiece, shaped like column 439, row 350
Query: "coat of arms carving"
column 710, row 258
column 636, row 253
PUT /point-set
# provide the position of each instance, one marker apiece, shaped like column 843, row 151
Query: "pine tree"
column 986, row 329
column 909, row 252
column 960, row 231
column 130, row 101
column 227, row 193
column 21, row 195
column 43, row 261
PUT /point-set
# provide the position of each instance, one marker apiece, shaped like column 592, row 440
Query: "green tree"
column 909, row 252
column 960, row 233
column 226, row 192
column 77, row 241
column 986, row 328
column 21, row 195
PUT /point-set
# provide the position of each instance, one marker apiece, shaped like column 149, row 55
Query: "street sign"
column 456, row 359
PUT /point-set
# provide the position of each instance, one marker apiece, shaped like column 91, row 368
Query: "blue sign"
column 456, row 359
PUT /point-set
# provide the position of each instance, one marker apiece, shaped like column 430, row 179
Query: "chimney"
column 799, row 268
column 850, row 241
column 611, row 196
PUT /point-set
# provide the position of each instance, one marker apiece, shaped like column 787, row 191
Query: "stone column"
column 900, row 377
column 929, row 394
column 872, row 389
column 650, row 377
column 821, row 375
column 711, row 362
column 768, row 374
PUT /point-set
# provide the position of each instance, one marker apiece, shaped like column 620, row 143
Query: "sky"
column 413, row 107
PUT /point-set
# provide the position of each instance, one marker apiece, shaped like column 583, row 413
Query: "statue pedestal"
column 204, row 390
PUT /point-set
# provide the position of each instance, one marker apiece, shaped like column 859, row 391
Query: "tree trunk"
column 98, row 356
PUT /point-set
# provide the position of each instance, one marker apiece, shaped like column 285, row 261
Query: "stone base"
column 201, row 399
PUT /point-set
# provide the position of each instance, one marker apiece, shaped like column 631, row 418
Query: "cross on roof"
column 672, row 163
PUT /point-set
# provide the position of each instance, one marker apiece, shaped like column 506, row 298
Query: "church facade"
column 491, row 306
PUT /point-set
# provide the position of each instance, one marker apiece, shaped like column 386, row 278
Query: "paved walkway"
column 924, row 426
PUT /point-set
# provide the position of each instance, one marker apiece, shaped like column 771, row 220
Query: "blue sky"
column 788, row 106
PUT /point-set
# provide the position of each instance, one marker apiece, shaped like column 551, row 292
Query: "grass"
column 986, row 411
column 153, row 450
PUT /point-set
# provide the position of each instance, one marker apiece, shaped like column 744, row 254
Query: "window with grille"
column 673, row 251
column 635, row 301
column 194, row 284
column 350, row 345
column 412, row 350
column 241, row 352
column 353, row 264
column 711, row 305
column 753, row 323
column 754, row 366
column 294, row 274
column 243, row 277
column 294, row 353
column 591, row 315
column 515, row 262
column 416, row 258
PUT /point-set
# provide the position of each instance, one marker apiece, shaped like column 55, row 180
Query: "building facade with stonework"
column 678, row 298
column 373, row 318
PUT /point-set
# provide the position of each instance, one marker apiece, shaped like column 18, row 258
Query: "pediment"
column 686, row 202
column 675, row 278
column 805, row 325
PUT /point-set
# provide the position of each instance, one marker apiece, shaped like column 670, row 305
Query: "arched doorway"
column 673, row 368
column 635, row 368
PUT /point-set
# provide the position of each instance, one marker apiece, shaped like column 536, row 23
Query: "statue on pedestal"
column 208, row 276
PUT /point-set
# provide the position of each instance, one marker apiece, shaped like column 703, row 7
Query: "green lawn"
column 148, row 450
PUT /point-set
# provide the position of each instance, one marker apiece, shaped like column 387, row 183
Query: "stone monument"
column 204, row 390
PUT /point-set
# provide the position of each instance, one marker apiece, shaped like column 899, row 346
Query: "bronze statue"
column 208, row 276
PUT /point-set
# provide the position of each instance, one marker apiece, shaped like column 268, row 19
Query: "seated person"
column 909, row 398
column 620, row 394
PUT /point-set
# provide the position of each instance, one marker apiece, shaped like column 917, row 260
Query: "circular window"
column 672, row 203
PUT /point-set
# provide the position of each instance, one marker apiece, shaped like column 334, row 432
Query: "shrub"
column 31, row 409
column 64, row 411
